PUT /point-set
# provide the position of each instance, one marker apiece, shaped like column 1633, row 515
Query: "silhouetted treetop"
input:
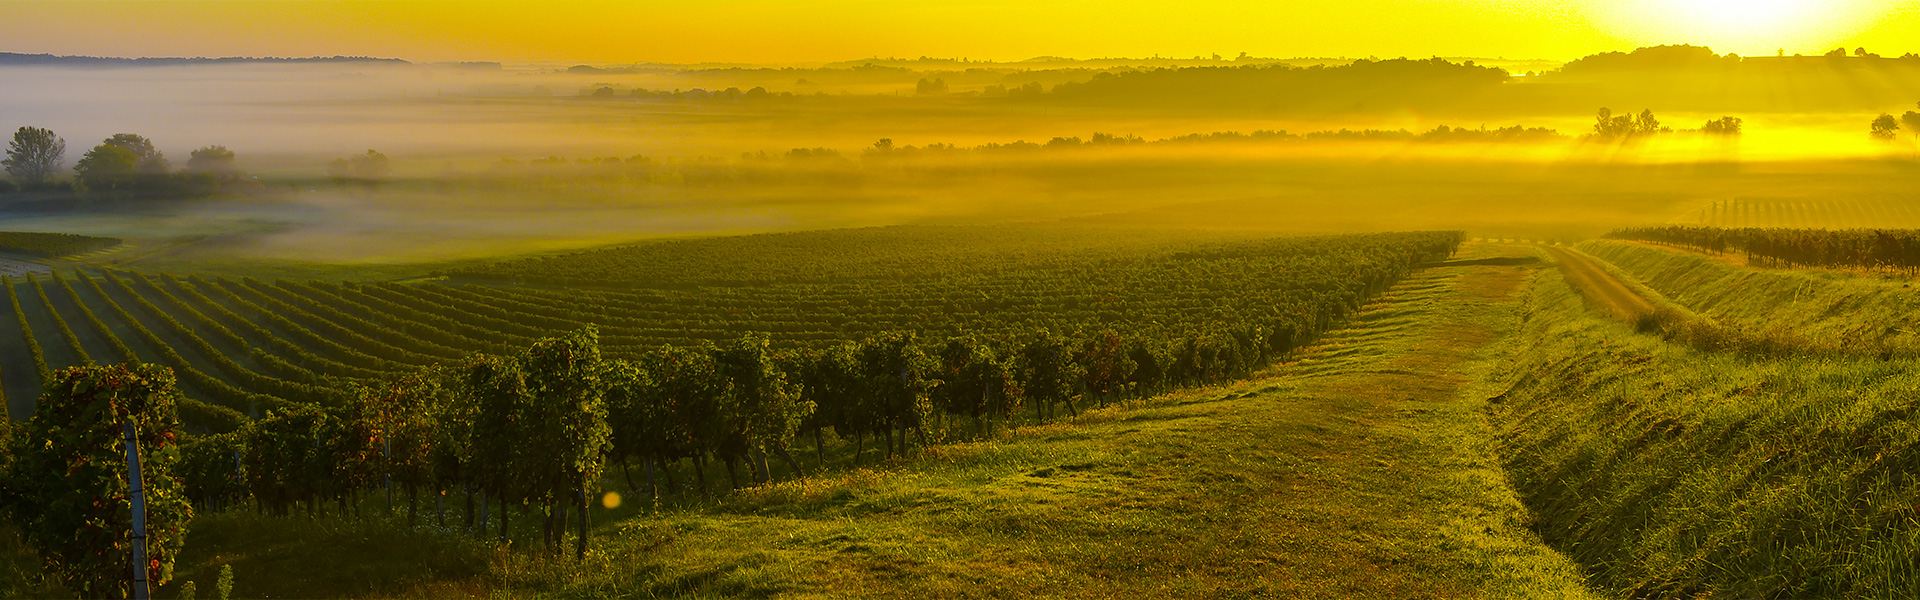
column 1654, row 57
column 1397, row 81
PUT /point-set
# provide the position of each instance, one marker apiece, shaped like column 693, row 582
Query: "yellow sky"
column 798, row 31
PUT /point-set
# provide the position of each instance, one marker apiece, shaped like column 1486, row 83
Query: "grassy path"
column 1363, row 470
column 1601, row 289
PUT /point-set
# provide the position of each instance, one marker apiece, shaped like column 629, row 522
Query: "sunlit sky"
column 801, row 31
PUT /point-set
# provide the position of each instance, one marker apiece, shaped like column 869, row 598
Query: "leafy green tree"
column 211, row 159
column 34, row 155
column 563, row 378
column 107, row 167
column 149, row 160
column 72, row 495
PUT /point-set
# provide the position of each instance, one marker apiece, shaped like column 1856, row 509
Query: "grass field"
column 1669, row 471
column 1815, row 307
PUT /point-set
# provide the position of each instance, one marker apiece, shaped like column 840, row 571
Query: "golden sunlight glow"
column 769, row 31
column 1743, row 26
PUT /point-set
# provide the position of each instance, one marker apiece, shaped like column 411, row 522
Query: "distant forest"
column 14, row 59
column 1664, row 78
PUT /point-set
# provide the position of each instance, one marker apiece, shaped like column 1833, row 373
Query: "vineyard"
column 1824, row 212
column 1876, row 249
column 50, row 245
column 520, row 381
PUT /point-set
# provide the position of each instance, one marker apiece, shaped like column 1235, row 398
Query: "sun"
column 1744, row 26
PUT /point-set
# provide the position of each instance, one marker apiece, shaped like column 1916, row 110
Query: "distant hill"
column 13, row 59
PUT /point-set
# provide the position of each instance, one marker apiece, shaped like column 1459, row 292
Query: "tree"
column 107, row 167
column 1646, row 123
column 72, row 491
column 1884, row 127
column 933, row 87
column 150, row 160
column 211, row 159
column 34, row 155
column 1911, row 121
column 1611, row 126
column 366, row 169
column 1722, row 126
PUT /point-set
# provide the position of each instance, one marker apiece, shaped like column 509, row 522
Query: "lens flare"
column 611, row 500
column 1743, row 26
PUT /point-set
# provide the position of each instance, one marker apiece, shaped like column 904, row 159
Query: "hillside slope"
column 1815, row 307
column 1672, row 472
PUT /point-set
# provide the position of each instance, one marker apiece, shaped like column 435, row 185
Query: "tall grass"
column 1672, row 471
column 1812, row 309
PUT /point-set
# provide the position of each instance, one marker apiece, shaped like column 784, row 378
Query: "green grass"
column 1364, row 469
column 1673, row 472
column 1817, row 308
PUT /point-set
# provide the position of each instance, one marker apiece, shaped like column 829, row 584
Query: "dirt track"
column 1600, row 287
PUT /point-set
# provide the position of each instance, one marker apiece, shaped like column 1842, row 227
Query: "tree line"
column 124, row 164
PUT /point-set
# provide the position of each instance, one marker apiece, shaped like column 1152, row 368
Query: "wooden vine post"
column 138, row 498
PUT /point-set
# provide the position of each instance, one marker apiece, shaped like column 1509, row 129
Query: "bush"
column 72, row 493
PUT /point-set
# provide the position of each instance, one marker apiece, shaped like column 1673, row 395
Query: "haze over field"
column 1052, row 298
column 494, row 158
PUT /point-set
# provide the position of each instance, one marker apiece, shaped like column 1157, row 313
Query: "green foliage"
column 26, row 331
column 107, row 167
column 569, row 407
column 764, row 407
column 70, row 480
column 66, row 332
column 1678, row 473
column 496, row 388
column 211, row 159
column 293, row 455
column 33, row 155
column 212, row 471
